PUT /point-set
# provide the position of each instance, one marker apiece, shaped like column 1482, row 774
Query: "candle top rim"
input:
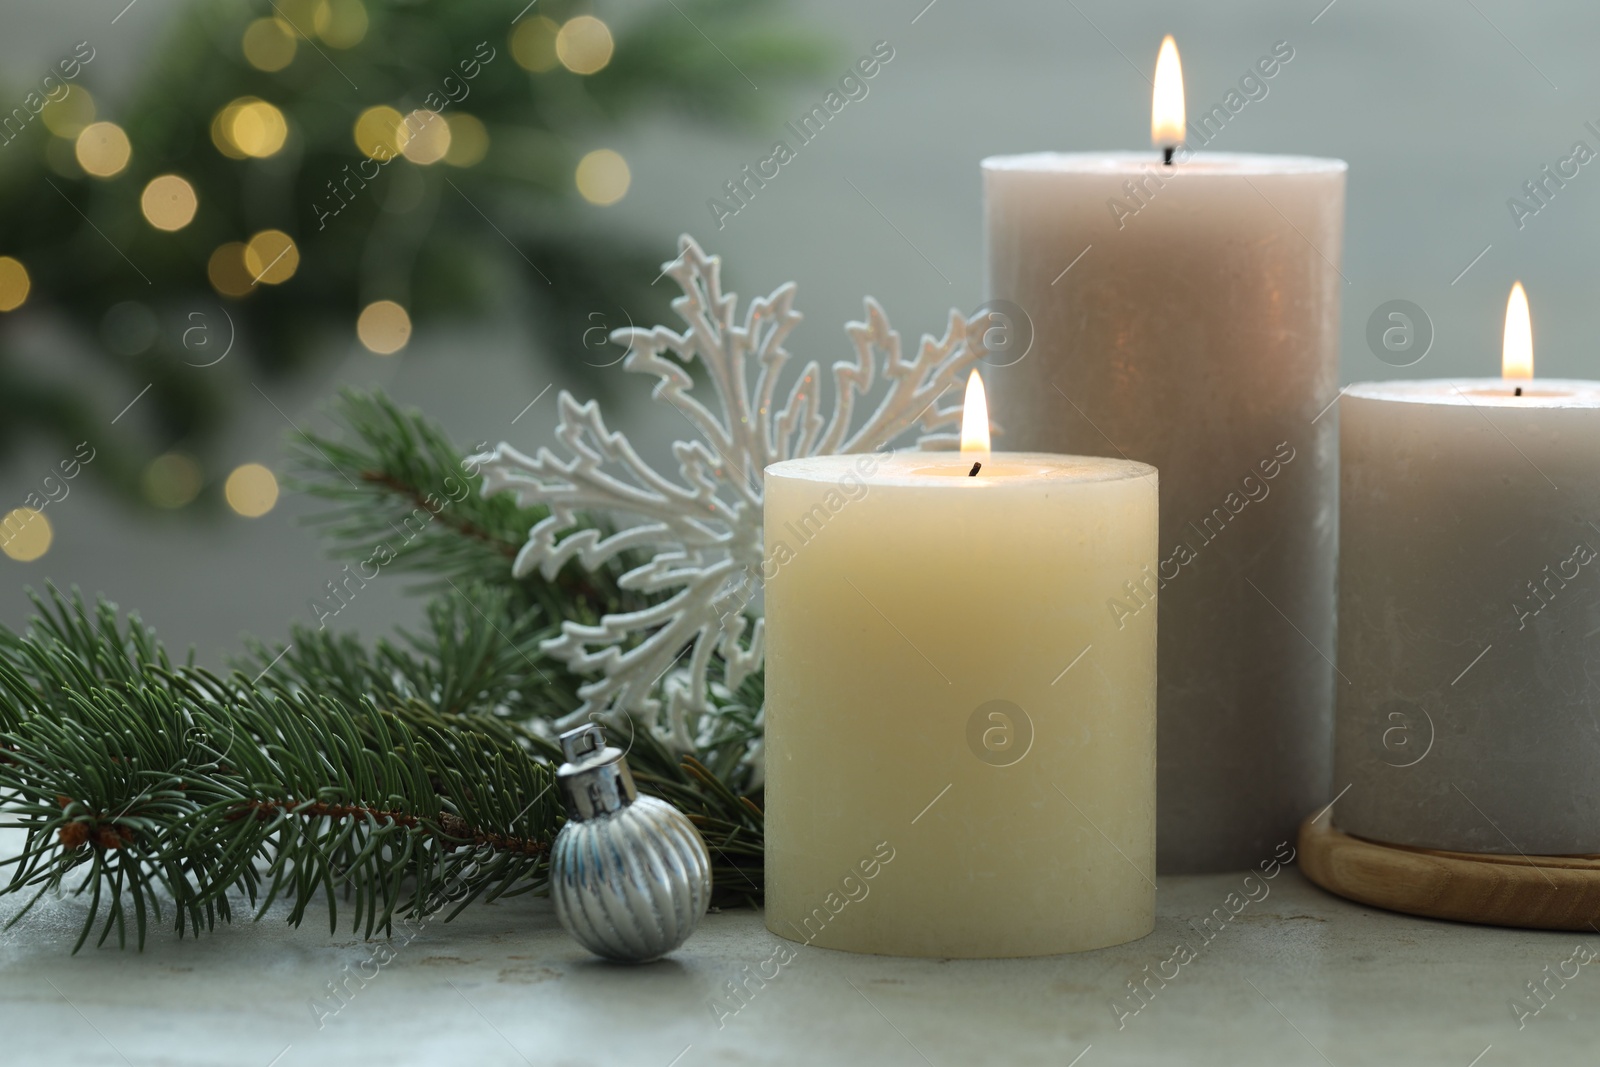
column 1558, row 393
column 918, row 468
column 1198, row 164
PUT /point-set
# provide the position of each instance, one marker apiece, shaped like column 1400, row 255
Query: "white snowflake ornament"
column 704, row 526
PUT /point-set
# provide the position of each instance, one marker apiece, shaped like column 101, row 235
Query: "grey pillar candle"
column 1187, row 316
column 1468, row 608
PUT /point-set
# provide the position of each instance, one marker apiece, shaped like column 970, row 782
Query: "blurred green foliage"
column 508, row 232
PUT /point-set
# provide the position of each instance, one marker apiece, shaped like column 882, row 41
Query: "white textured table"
column 1299, row 977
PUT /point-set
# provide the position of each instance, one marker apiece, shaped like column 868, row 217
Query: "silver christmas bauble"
column 630, row 875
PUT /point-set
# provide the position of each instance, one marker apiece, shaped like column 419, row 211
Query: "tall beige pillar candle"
column 960, row 743
column 1187, row 315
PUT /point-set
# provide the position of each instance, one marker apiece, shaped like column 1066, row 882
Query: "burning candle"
column 1185, row 312
column 960, row 743
column 1468, row 608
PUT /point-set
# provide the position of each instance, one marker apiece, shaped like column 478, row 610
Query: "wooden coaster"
column 1542, row 892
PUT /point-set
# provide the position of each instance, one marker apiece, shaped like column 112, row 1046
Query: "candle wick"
column 1519, row 390
column 1166, row 154
column 973, row 473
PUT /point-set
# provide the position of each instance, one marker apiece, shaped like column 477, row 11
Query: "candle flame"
column 1516, row 358
column 975, row 417
column 1167, row 117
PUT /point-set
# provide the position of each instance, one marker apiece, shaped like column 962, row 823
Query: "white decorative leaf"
column 702, row 529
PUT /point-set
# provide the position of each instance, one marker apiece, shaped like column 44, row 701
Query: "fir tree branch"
column 400, row 489
column 370, row 777
column 415, row 496
column 367, row 778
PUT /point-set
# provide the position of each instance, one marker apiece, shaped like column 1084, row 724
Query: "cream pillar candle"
column 1187, row 315
column 960, row 743
column 1468, row 582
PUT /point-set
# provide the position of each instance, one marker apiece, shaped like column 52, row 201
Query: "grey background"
column 1443, row 109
